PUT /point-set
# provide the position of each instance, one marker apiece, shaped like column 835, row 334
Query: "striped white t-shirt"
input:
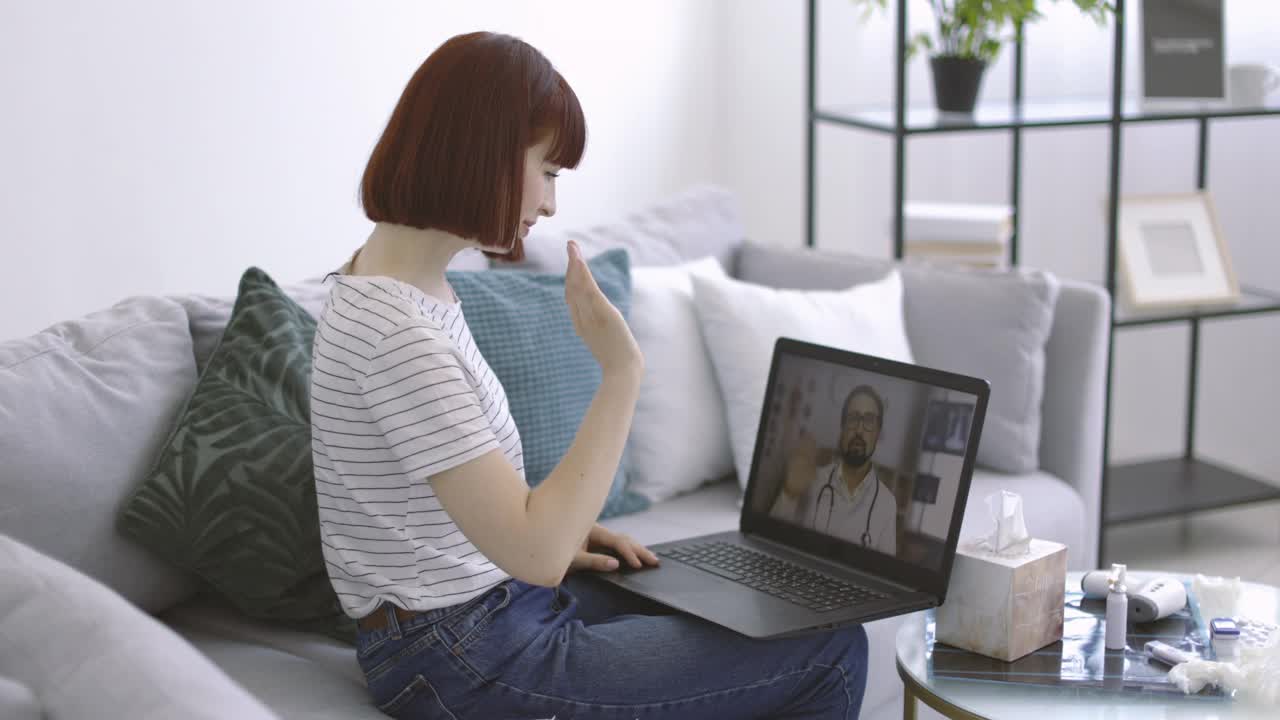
column 399, row 392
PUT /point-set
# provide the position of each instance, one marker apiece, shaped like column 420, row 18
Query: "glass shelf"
column 1004, row 115
column 1252, row 301
column 1166, row 488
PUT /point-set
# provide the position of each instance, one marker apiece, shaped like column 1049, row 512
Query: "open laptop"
column 857, row 489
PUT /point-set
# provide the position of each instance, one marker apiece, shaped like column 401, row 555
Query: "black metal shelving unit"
column 1131, row 492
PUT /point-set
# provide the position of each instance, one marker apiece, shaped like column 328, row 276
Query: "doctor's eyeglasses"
column 867, row 421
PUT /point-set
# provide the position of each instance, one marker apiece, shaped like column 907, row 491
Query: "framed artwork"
column 946, row 428
column 1183, row 54
column 1171, row 252
column 926, row 489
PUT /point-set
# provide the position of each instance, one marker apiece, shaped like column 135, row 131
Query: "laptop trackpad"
column 706, row 595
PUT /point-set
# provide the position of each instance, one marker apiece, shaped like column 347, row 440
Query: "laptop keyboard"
column 781, row 579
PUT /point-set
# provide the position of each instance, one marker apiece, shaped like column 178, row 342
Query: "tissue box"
column 1004, row 607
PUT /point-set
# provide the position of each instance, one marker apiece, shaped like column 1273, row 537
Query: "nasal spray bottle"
column 1117, row 609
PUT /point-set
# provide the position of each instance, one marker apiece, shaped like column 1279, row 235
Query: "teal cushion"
column 521, row 324
column 232, row 495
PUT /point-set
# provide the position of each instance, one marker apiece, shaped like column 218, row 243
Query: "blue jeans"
column 588, row 650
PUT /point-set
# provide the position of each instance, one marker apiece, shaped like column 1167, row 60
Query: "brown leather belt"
column 377, row 620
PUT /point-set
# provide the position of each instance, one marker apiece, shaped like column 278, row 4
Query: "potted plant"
column 970, row 34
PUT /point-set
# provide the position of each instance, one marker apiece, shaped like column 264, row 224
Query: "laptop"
column 858, row 485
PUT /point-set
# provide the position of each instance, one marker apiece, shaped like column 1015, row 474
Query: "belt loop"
column 393, row 620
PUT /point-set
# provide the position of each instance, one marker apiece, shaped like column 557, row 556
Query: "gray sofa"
column 264, row 671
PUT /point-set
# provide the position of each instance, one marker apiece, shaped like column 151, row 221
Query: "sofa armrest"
column 1072, row 412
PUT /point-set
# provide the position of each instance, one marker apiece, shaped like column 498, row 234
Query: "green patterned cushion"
column 232, row 495
column 521, row 324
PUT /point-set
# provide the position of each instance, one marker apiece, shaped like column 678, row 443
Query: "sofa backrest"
column 89, row 401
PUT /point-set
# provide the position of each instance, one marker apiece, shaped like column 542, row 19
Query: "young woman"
column 455, row 569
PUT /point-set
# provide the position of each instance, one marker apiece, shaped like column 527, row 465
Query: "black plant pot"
column 956, row 81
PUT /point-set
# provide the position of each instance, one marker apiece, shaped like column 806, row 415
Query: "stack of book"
column 958, row 233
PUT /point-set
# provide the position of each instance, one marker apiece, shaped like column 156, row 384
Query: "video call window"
column 871, row 459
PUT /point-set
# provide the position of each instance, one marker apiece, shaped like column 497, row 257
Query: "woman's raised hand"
column 600, row 325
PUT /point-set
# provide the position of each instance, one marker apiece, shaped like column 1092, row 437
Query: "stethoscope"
column 829, row 491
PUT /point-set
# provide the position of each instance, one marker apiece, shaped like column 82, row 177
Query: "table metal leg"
column 908, row 704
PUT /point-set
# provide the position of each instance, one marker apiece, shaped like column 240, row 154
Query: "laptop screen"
column 868, row 454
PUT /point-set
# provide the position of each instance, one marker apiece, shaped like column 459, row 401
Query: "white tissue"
column 1010, row 538
column 1218, row 596
column 1254, row 674
column 1255, row 677
column 1191, row 677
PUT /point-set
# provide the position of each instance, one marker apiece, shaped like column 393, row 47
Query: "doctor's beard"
column 855, row 454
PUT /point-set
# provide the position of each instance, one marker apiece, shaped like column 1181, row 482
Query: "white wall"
column 163, row 146
column 1064, row 184
column 155, row 147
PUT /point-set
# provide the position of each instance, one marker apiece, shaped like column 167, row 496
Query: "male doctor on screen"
column 843, row 497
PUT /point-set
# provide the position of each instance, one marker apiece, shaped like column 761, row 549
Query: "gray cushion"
column 85, row 406
column 698, row 222
column 17, row 702
column 208, row 315
column 990, row 324
column 807, row 269
column 87, row 653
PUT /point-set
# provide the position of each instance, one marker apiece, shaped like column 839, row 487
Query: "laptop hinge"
column 818, row 558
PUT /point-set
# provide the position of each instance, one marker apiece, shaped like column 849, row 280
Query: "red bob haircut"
column 452, row 155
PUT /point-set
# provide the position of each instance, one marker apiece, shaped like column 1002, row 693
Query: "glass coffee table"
column 962, row 699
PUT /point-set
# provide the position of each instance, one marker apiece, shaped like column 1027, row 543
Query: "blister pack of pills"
column 1255, row 633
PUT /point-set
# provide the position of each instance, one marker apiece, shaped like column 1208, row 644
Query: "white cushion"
column 17, row 702
column 986, row 323
column 86, row 405
column 87, row 653
column 742, row 322
column 679, row 436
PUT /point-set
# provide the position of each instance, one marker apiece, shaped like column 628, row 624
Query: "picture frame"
column 946, row 427
column 1183, row 52
column 925, row 489
column 1172, row 254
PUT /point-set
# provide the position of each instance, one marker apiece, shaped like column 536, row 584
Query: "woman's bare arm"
column 533, row 535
